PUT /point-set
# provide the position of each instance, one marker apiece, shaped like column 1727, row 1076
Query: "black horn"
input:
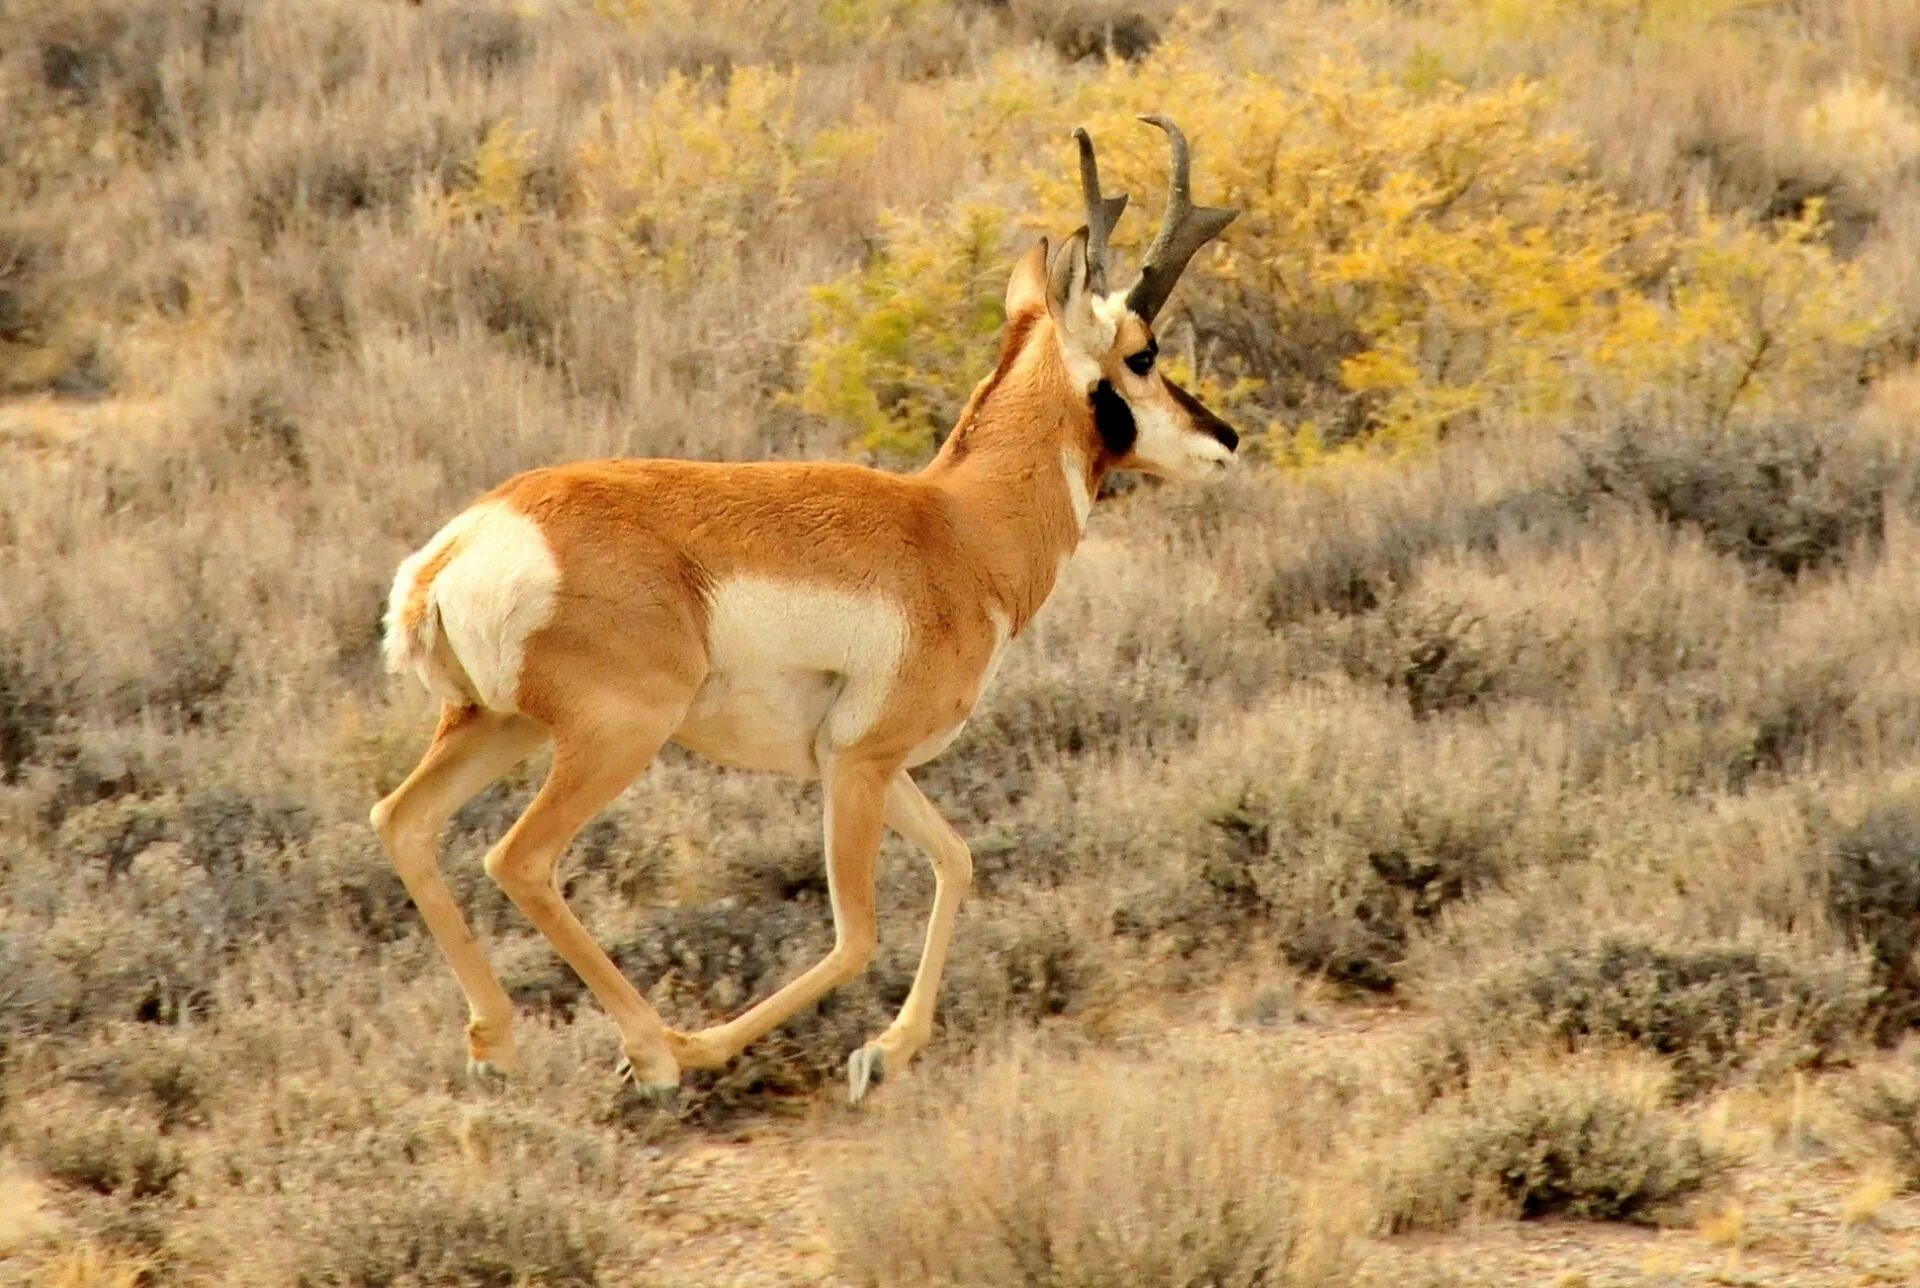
column 1184, row 229
column 1102, row 213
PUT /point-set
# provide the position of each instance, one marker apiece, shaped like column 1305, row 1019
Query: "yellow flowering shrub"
column 670, row 186
column 1746, row 320
column 893, row 350
column 1409, row 258
column 1625, row 17
column 497, row 193
column 683, row 180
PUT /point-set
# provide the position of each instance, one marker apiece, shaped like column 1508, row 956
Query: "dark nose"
column 1225, row 435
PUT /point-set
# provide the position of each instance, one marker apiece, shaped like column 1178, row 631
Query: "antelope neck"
column 1020, row 472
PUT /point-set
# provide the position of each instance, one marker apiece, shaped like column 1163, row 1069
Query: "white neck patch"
column 1074, row 466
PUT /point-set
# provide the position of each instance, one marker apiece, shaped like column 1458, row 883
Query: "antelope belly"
column 793, row 668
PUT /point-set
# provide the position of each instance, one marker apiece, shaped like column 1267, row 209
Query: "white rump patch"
column 794, row 670
column 495, row 592
column 410, row 650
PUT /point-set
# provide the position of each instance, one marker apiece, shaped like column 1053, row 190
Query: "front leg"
column 856, row 792
column 913, row 816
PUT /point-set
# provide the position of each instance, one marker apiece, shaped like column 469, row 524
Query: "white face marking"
column 1082, row 369
column 795, row 670
column 1074, row 466
column 1163, row 446
column 495, row 592
column 1107, row 312
column 1091, row 323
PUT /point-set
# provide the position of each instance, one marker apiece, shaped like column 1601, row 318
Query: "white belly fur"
column 794, row 670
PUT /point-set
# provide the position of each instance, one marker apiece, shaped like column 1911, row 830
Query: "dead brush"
column 278, row 282
column 1352, row 837
column 1886, row 1105
column 1025, row 963
column 1054, row 1168
column 82, row 1142
column 453, row 1236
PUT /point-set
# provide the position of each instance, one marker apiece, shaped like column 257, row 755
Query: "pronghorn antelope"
column 821, row 620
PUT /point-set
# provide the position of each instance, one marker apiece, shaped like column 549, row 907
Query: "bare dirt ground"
column 741, row 1209
column 1550, row 676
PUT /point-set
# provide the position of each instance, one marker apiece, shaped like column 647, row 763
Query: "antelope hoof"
column 652, row 1092
column 487, row 1075
column 866, row 1069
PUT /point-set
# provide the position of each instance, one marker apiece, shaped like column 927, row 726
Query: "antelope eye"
column 1140, row 363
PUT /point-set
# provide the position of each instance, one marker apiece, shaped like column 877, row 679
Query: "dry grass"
column 1886, row 1103
column 1177, row 1169
column 1576, row 732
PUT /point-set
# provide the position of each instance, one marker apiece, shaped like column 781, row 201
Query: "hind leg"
column 472, row 748
column 592, row 764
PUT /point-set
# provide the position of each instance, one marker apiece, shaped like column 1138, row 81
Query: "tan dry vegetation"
column 1521, row 823
column 1067, row 1169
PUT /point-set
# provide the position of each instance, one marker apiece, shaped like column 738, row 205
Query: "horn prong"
column 1184, row 228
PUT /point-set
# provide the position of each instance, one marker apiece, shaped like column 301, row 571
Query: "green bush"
column 1787, row 497
column 1588, row 1141
column 1710, row 1010
column 1873, row 894
column 472, row 1239
column 893, row 351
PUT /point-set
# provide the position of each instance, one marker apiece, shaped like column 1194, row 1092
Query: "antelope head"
column 1145, row 421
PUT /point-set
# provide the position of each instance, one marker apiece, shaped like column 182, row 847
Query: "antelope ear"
column 1068, row 297
column 1067, row 281
column 1027, row 288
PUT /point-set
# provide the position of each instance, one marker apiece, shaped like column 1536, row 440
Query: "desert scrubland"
column 1479, row 843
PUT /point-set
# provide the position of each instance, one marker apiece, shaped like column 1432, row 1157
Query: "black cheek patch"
column 1114, row 419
